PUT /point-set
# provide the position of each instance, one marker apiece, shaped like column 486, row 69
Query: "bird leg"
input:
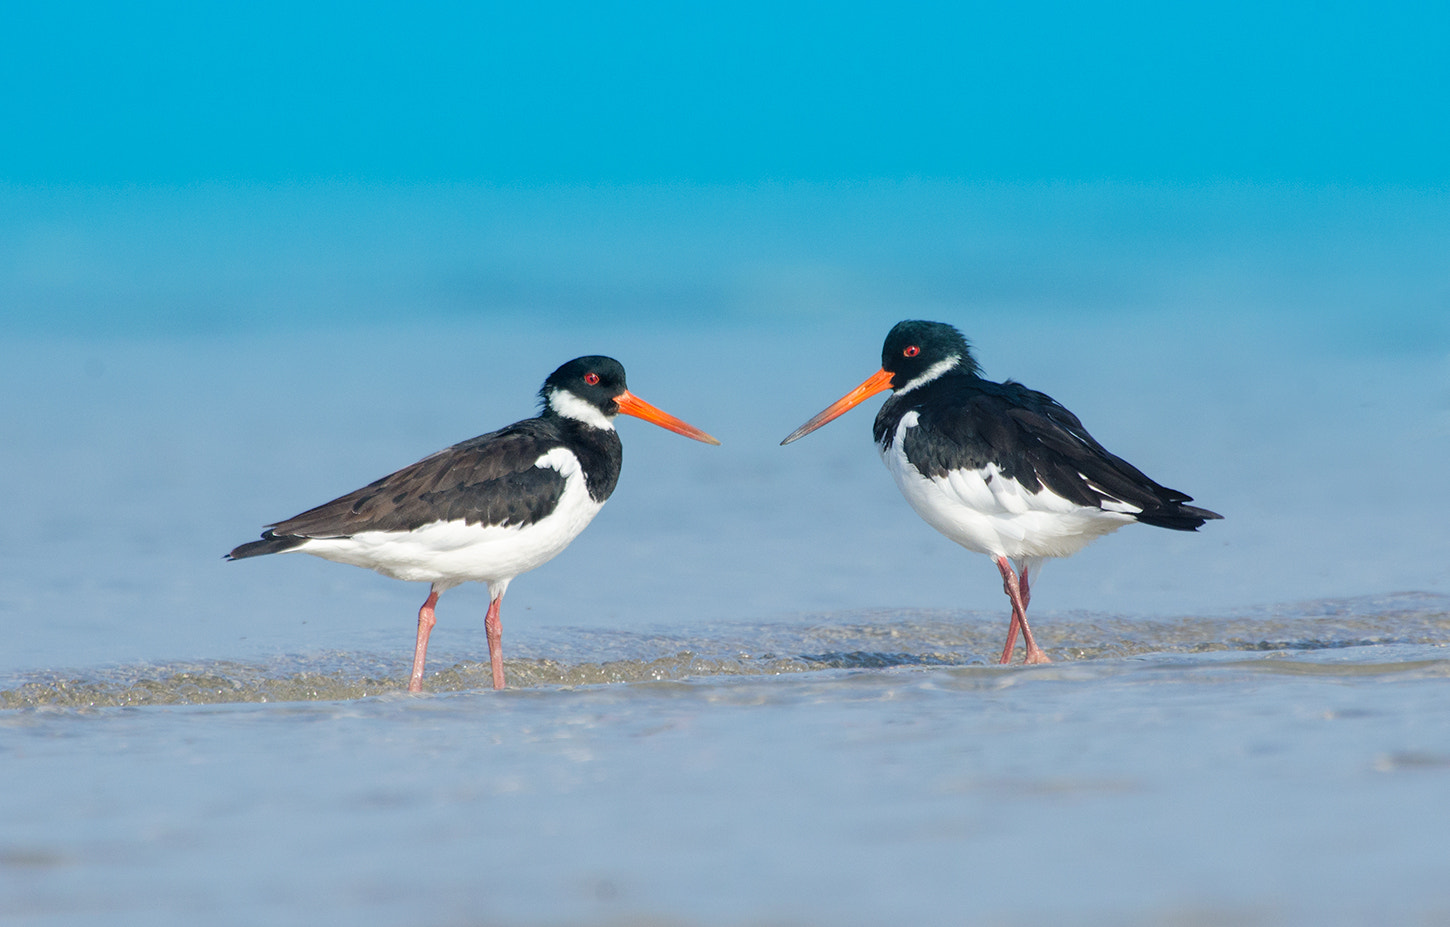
column 1012, row 625
column 494, row 629
column 420, row 650
column 1013, row 589
column 1034, row 653
column 1019, row 592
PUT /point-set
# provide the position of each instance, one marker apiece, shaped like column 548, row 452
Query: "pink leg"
column 1034, row 653
column 1013, row 590
column 1017, row 591
column 494, row 629
column 420, row 650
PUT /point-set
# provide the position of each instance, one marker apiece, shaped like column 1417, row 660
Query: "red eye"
column 592, row 379
column 911, row 351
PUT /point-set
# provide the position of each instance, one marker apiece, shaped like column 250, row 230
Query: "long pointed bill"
column 630, row 404
column 876, row 383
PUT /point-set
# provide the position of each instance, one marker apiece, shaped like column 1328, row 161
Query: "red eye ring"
column 911, row 351
column 591, row 378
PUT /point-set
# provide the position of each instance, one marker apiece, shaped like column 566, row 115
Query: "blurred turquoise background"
column 256, row 255
column 577, row 93
column 1221, row 236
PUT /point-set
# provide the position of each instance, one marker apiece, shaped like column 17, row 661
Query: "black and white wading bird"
column 484, row 510
column 1001, row 469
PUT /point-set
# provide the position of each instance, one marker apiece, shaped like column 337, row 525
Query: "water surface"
column 758, row 689
column 865, row 771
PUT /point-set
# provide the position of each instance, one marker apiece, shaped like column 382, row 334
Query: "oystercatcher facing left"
column 1001, row 469
column 487, row 509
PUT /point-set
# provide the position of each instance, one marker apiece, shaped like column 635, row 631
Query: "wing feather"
column 1037, row 442
column 488, row 480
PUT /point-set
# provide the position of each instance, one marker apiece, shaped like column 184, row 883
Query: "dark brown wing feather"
column 488, row 480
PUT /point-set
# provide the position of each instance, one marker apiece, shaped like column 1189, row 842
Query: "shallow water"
column 1284, row 768
column 758, row 689
column 878, row 639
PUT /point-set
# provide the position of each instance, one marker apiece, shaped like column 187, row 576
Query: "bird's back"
column 493, row 480
column 961, row 424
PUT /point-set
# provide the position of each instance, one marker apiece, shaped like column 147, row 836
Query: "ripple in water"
column 862, row 641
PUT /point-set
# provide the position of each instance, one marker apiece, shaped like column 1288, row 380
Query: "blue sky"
column 182, row 92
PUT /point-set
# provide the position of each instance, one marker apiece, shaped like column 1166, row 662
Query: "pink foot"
column 1019, row 592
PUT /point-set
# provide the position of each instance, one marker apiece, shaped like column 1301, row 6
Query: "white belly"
column 453, row 552
column 985, row 512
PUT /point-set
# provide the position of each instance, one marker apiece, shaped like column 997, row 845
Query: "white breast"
column 986, row 512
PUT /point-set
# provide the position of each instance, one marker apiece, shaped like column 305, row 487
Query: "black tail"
column 1179, row 517
column 269, row 544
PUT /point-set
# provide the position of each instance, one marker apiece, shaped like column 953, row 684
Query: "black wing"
column 488, row 480
column 1036, row 441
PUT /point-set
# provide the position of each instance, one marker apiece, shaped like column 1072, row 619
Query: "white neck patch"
column 570, row 406
column 931, row 373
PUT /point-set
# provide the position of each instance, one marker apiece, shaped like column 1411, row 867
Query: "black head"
column 595, row 380
column 914, row 353
column 916, row 349
column 592, row 390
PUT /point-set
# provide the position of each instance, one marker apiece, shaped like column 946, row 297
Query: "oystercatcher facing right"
column 485, row 510
column 1001, row 469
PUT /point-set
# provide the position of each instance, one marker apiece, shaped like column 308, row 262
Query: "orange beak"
column 630, row 404
column 876, row 383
